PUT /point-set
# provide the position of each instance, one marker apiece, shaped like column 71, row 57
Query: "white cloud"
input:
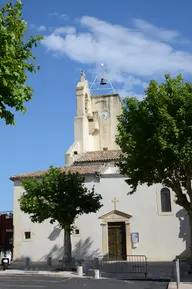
column 38, row 28
column 64, row 16
column 132, row 56
column 155, row 32
column 65, row 30
column 130, row 83
column 57, row 14
column 129, row 93
column 42, row 28
column 33, row 26
column 53, row 14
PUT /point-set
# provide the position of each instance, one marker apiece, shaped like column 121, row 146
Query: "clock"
column 105, row 115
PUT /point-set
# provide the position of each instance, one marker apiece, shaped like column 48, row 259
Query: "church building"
column 146, row 223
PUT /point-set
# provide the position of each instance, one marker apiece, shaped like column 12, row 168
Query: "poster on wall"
column 135, row 238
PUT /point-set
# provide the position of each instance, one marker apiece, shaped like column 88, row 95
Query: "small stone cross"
column 115, row 201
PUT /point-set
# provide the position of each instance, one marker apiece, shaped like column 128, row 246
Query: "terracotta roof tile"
column 83, row 170
column 98, row 156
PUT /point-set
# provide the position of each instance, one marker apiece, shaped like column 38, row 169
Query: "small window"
column 27, row 235
column 165, row 200
column 76, row 231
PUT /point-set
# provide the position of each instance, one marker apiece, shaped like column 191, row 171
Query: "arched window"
column 165, row 200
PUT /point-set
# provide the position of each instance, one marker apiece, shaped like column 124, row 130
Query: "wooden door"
column 117, row 241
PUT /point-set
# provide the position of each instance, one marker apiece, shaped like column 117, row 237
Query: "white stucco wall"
column 107, row 127
column 160, row 235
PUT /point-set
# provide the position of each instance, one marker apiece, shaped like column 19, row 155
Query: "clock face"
column 105, row 115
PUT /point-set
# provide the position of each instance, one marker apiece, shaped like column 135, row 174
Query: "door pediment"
column 115, row 215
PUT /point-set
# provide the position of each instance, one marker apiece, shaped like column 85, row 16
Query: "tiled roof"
column 98, row 156
column 83, row 170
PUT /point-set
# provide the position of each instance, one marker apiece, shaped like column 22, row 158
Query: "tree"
column 60, row 197
column 155, row 136
column 16, row 60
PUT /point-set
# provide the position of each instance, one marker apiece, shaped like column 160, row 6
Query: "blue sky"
column 137, row 41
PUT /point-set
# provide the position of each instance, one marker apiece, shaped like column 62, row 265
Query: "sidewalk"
column 183, row 285
column 62, row 274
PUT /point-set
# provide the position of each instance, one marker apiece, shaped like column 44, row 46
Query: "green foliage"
column 16, row 60
column 59, row 197
column 155, row 136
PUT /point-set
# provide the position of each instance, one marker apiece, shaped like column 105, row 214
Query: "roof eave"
column 17, row 178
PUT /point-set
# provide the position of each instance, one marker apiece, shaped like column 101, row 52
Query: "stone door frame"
column 111, row 217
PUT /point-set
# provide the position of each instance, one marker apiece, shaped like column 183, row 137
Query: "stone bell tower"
column 95, row 122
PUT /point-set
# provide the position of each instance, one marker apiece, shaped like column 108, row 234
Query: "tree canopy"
column 16, row 60
column 60, row 197
column 155, row 136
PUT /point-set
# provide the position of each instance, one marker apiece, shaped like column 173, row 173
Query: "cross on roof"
column 115, row 201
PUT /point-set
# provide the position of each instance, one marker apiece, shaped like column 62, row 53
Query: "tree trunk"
column 67, row 258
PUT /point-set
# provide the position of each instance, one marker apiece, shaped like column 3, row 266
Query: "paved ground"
column 38, row 282
column 183, row 285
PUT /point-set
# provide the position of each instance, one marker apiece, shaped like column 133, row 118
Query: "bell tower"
column 95, row 122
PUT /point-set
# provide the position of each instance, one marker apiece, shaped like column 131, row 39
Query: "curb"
column 41, row 273
column 66, row 275
column 173, row 285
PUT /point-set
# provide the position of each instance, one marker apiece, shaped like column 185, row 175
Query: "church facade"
column 146, row 223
